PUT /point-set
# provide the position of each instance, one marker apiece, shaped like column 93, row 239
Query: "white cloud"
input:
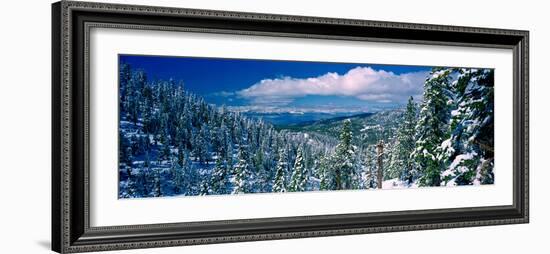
column 363, row 83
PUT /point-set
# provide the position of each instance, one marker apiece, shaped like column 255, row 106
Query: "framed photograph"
column 181, row 126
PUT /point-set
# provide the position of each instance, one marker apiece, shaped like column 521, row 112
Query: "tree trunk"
column 380, row 153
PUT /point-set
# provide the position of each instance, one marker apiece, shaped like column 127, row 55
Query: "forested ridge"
column 172, row 142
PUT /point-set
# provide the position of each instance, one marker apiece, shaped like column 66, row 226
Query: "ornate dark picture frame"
column 71, row 230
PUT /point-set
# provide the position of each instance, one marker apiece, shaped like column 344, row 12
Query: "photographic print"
column 261, row 126
column 191, row 126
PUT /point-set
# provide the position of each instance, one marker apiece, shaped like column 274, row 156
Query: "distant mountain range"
column 330, row 120
column 298, row 118
column 366, row 127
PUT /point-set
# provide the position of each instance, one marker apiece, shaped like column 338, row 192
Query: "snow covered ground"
column 397, row 184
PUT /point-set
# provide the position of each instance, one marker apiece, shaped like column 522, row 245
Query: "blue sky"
column 287, row 85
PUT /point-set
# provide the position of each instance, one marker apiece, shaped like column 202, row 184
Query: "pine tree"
column 178, row 176
column 279, row 184
column 357, row 173
column 143, row 179
column 165, row 151
column 227, row 145
column 148, row 123
column 131, row 189
column 200, row 146
column 126, row 152
column 206, row 141
column 431, row 128
column 219, row 180
column 188, row 173
column 261, row 170
column 368, row 165
column 344, row 158
column 468, row 153
column 298, row 180
column 204, row 190
column 142, row 183
column 136, row 82
column 157, row 192
column 124, row 78
column 324, row 174
column 242, row 172
column 402, row 163
column 180, row 155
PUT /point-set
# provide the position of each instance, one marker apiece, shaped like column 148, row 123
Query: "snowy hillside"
column 171, row 142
